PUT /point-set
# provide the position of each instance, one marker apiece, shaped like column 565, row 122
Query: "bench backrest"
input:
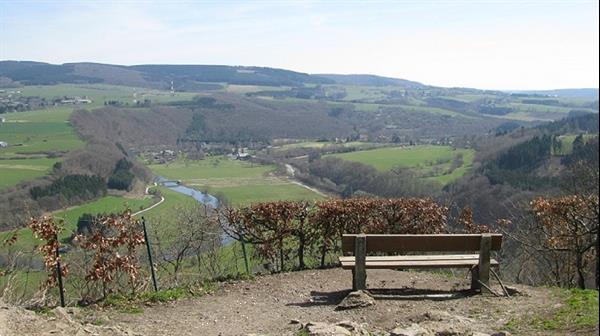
column 390, row 243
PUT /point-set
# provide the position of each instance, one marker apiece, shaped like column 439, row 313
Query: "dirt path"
column 292, row 172
column 266, row 305
column 162, row 199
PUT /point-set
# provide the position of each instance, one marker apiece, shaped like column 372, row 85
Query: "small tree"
column 47, row 230
column 113, row 242
column 569, row 225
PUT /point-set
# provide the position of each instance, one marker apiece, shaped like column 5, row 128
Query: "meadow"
column 32, row 135
column 567, row 143
column 15, row 171
column 425, row 159
column 238, row 181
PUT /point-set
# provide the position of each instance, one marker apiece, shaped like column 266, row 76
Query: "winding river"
column 199, row 196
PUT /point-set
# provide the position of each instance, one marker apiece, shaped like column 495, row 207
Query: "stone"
column 513, row 291
column 326, row 329
column 413, row 330
column 357, row 299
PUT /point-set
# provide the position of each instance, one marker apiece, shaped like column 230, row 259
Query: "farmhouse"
column 243, row 156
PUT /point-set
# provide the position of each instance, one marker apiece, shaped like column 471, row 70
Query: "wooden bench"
column 479, row 263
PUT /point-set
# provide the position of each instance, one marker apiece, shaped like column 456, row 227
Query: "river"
column 199, row 196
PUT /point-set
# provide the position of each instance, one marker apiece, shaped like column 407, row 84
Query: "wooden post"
column 484, row 261
column 359, row 274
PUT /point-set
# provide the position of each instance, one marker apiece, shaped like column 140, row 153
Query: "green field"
column 108, row 204
column 213, row 167
column 240, row 182
column 567, row 143
column 321, row 144
column 99, row 93
column 33, row 134
column 425, row 159
column 15, row 171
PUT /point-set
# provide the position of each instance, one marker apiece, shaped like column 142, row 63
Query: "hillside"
column 281, row 304
column 372, row 80
column 184, row 77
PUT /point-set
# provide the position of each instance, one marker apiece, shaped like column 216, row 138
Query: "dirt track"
column 267, row 304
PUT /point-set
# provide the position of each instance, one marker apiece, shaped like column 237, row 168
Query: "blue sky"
column 485, row 44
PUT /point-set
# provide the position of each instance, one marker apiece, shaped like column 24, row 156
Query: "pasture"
column 99, row 93
column 238, row 181
column 15, row 171
column 432, row 162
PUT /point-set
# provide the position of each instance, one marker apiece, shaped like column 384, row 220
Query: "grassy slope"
column 420, row 157
column 108, row 204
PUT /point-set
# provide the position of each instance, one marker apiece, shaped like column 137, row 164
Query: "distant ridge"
column 190, row 77
column 372, row 80
column 566, row 93
column 152, row 75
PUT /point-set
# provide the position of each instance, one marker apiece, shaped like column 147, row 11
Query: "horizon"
column 476, row 44
column 515, row 90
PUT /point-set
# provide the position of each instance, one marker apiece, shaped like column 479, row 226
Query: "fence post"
column 61, row 289
column 242, row 241
column 149, row 255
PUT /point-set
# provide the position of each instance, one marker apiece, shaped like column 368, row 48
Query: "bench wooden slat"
column 374, row 264
column 415, row 257
column 419, row 243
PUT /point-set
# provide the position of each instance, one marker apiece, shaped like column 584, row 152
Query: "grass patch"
column 213, row 167
column 131, row 304
column 566, row 143
column 244, row 195
column 578, row 312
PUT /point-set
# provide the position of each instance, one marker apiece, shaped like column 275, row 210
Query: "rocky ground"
column 308, row 303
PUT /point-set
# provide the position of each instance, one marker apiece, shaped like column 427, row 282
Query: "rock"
column 325, row 329
column 413, row 330
column 355, row 328
column 513, row 291
column 501, row 333
column 477, row 333
column 357, row 299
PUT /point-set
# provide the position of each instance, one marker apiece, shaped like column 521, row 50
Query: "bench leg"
column 359, row 272
column 474, row 278
column 359, row 281
column 483, row 268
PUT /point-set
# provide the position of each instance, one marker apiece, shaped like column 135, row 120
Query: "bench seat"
column 418, row 261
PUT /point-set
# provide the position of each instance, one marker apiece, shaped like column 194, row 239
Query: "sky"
column 527, row 44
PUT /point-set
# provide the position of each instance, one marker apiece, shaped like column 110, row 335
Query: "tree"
column 569, row 225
